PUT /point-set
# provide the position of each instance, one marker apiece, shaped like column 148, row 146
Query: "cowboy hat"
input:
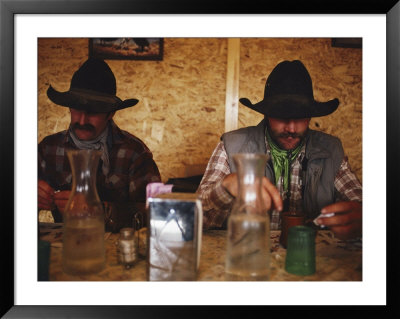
column 289, row 94
column 93, row 89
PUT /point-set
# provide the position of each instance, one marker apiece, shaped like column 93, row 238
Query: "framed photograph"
column 127, row 48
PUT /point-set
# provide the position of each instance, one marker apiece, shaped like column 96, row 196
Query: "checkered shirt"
column 217, row 202
column 131, row 166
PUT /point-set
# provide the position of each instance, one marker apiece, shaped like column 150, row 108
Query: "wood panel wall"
column 181, row 113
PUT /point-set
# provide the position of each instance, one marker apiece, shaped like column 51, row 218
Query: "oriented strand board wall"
column 181, row 111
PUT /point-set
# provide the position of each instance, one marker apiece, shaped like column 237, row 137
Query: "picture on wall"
column 127, row 48
column 355, row 43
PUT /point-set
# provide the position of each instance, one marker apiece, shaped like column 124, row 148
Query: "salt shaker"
column 127, row 247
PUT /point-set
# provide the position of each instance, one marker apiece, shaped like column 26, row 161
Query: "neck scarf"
column 99, row 143
column 281, row 160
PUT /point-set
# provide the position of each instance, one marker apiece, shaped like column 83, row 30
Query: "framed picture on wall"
column 355, row 43
column 127, row 48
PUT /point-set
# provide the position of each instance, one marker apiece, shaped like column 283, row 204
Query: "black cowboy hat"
column 289, row 94
column 93, row 88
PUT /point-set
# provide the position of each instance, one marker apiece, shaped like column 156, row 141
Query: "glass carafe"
column 83, row 218
column 248, row 243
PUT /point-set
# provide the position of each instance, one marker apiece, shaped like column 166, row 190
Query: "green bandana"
column 281, row 160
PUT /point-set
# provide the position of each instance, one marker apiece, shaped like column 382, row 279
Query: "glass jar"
column 248, row 243
column 83, row 218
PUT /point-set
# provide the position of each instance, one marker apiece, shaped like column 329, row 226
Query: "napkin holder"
column 174, row 237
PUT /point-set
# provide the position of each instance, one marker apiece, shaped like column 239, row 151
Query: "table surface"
column 336, row 260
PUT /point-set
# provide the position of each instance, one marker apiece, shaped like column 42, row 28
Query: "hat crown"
column 93, row 89
column 289, row 78
column 95, row 75
column 289, row 94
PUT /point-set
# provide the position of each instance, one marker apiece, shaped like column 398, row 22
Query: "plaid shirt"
column 131, row 166
column 217, row 202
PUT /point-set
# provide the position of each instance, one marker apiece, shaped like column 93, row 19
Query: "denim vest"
column 324, row 154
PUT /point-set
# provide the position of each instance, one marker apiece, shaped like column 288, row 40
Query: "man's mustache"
column 84, row 127
column 293, row 135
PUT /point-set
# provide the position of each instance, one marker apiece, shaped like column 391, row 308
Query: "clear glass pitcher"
column 248, row 242
column 83, row 218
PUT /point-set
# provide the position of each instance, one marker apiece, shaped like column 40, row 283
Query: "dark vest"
column 324, row 154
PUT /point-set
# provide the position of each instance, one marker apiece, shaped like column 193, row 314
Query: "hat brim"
column 292, row 107
column 90, row 101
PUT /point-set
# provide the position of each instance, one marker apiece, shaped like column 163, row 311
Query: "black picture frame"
column 151, row 49
column 354, row 43
column 9, row 9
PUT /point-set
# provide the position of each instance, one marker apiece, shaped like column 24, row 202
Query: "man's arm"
column 132, row 213
column 45, row 190
column 347, row 220
column 347, row 184
column 45, row 196
column 142, row 171
column 216, row 201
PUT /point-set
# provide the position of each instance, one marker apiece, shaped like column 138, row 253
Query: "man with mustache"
column 126, row 165
column 307, row 172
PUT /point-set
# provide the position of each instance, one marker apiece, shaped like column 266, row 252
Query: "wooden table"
column 336, row 260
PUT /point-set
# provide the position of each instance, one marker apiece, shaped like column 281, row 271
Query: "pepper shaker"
column 127, row 247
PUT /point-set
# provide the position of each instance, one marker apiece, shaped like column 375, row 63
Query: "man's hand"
column 45, row 196
column 270, row 193
column 61, row 199
column 347, row 221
